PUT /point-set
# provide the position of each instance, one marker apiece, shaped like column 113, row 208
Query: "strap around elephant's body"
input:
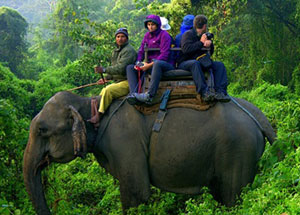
column 162, row 111
column 250, row 115
column 108, row 121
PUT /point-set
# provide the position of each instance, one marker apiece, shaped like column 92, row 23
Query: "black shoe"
column 132, row 100
column 208, row 96
column 221, row 97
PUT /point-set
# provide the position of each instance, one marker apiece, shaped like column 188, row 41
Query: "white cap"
column 164, row 24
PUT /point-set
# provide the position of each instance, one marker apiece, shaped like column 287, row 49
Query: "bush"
column 12, row 88
column 56, row 80
column 13, row 138
column 83, row 186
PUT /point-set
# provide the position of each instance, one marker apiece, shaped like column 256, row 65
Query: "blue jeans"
column 157, row 70
column 220, row 76
column 219, row 73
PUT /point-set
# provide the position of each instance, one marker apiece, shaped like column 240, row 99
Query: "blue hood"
column 187, row 23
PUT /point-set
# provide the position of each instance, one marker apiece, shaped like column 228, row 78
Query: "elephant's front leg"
column 134, row 180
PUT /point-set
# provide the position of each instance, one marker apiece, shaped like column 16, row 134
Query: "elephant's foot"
column 134, row 197
column 133, row 178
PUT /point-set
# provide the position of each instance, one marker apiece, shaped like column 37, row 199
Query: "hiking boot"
column 221, row 97
column 207, row 96
column 132, row 100
column 143, row 97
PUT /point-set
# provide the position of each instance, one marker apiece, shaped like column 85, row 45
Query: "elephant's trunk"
column 35, row 159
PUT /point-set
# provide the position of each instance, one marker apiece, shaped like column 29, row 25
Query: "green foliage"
column 55, row 80
column 98, row 45
column 259, row 49
column 13, row 29
column 263, row 37
column 275, row 191
column 296, row 79
column 11, row 88
column 173, row 11
column 60, row 44
column 255, row 39
column 33, row 10
column 89, row 189
column 13, row 139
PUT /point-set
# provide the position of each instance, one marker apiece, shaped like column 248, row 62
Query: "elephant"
column 218, row 148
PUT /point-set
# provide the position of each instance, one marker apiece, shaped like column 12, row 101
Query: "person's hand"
column 146, row 66
column 207, row 43
column 203, row 38
column 137, row 68
column 102, row 81
column 98, row 69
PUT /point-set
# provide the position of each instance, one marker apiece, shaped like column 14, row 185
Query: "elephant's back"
column 192, row 143
column 184, row 127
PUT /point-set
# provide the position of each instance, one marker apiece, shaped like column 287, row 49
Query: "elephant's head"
column 57, row 134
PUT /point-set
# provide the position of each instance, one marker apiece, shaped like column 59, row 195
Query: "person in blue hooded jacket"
column 186, row 24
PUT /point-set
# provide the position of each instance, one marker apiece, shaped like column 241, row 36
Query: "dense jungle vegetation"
column 52, row 45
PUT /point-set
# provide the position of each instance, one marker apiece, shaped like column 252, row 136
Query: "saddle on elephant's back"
column 183, row 93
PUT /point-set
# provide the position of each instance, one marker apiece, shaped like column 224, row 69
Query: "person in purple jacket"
column 158, row 61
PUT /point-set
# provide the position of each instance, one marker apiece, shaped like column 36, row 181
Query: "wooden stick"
column 83, row 86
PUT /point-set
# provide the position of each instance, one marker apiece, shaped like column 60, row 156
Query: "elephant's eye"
column 43, row 131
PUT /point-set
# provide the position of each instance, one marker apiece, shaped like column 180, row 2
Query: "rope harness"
column 250, row 115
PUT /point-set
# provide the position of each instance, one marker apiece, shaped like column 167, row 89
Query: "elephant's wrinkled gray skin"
column 218, row 148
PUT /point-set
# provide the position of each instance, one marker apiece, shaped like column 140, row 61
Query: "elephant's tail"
column 258, row 117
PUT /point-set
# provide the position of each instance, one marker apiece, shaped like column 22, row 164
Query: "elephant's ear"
column 78, row 133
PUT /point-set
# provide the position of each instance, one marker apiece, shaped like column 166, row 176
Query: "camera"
column 138, row 65
column 209, row 35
